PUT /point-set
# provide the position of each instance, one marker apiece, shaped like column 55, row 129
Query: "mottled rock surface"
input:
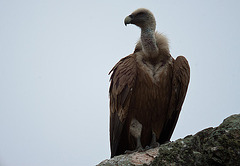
column 218, row 146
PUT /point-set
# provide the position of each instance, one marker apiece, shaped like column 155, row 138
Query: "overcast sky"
column 54, row 62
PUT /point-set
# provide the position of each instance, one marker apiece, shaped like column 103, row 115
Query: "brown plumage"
column 147, row 90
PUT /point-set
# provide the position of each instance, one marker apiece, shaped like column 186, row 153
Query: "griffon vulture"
column 147, row 90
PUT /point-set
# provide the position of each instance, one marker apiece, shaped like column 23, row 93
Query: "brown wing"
column 122, row 81
column 180, row 81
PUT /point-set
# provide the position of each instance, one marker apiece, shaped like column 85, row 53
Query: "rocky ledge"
column 217, row 146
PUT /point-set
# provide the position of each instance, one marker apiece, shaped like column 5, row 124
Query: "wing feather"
column 180, row 81
column 122, row 82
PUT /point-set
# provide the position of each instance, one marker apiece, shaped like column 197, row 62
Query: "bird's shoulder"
column 123, row 74
column 182, row 69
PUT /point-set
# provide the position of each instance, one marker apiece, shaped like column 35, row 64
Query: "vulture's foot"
column 138, row 149
column 153, row 145
column 154, row 142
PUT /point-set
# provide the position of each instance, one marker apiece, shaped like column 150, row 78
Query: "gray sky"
column 54, row 61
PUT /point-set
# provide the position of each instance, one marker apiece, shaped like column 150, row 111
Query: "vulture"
column 147, row 90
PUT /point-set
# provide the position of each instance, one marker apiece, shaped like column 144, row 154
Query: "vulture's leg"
column 154, row 142
column 136, row 130
column 139, row 145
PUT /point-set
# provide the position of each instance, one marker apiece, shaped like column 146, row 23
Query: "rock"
column 218, row 146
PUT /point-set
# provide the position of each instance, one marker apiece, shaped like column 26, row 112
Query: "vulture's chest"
column 158, row 74
column 153, row 86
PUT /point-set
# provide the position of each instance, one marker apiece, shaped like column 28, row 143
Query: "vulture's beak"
column 128, row 20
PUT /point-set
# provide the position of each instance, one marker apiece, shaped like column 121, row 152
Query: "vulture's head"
column 142, row 18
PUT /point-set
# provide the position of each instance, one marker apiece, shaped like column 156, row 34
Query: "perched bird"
column 147, row 90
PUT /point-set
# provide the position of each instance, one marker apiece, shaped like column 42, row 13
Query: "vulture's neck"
column 149, row 44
